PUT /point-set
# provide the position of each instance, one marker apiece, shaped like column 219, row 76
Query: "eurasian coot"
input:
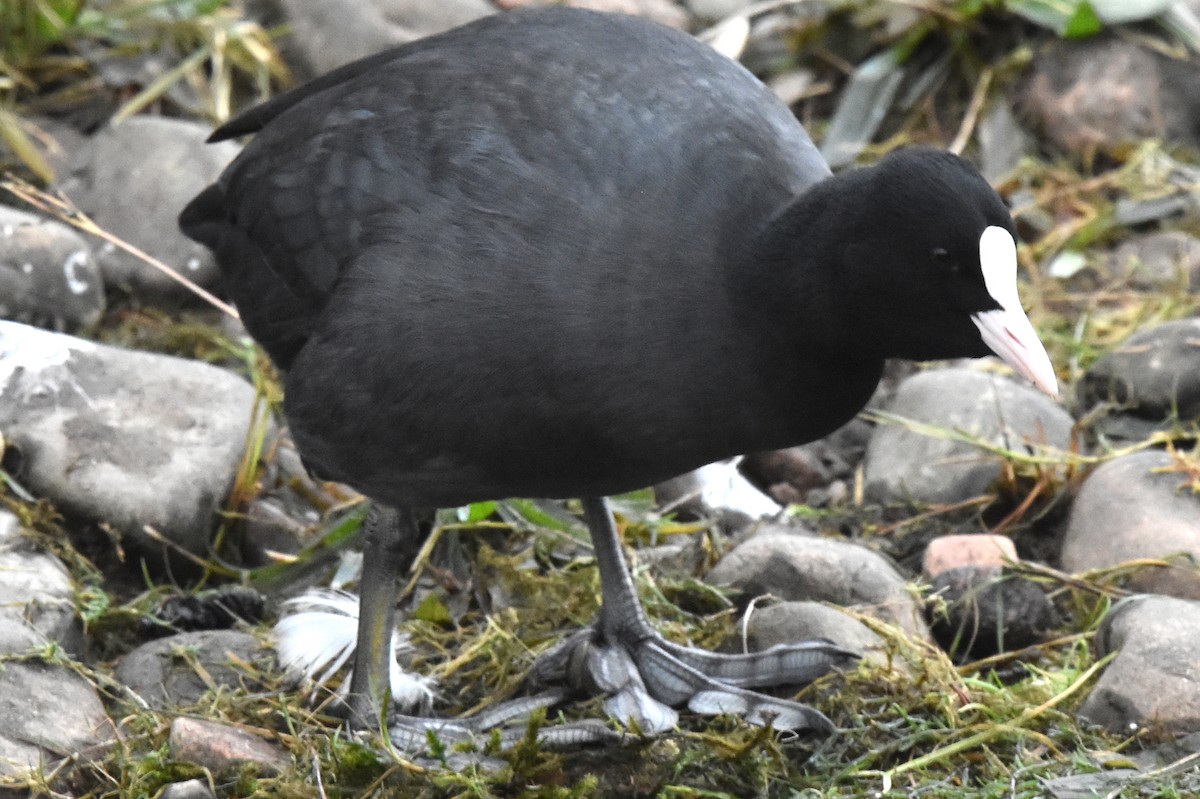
column 562, row 253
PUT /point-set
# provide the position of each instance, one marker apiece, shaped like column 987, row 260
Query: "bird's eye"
column 942, row 258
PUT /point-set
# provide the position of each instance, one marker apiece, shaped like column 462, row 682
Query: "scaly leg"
column 392, row 540
column 645, row 676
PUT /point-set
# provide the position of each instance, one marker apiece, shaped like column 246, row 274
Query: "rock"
column 988, row 553
column 133, row 179
column 1149, row 382
column 1002, row 143
column 130, row 438
column 904, row 465
column 1153, row 681
column 327, row 35
column 790, row 622
column 681, row 560
column 51, row 138
column 37, row 598
column 178, row 670
column 792, row 475
column 188, row 789
column 986, row 612
column 220, row 747
column 663, row 12
column 793, row 86
column 1159, row 261
column 1107, row 93
column 47, row 274
column 1092, row 785
column 47, row 713
column 1131, row 508
column 798, row 567
column 714, row 10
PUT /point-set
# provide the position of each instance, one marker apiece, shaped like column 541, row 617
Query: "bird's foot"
column 502, row 726
column 317, row 638
column 644, row 678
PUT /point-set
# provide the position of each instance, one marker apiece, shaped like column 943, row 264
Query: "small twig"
column 976, row 666
column 972, row 117
column 64, row 210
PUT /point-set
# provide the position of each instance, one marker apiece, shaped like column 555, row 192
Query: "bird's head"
column 931, row 266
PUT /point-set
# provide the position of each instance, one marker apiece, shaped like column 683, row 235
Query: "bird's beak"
column 1007, row 331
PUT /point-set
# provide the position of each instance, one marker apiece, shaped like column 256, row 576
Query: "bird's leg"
column 392, row 539
column 645, row 676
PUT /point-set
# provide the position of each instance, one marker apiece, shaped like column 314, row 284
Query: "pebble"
column 1002, row 143
column 1161, row 261
column 902, row 465
column 984, row 612
column 155, row 671
column 37, row 597
column 221, row 747
column 1150, row 382
column 324, row 35
column 1154, row 681
column 47, row 713
column 125, row 437
column 47, row 273
column 1106, row 93
column 664, row 12
column 1132, row 508
column 790, row 622
column 132, row 179
column 983, row 553
column 791, row 565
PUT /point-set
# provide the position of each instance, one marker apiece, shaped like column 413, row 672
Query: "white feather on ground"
column 317, row 636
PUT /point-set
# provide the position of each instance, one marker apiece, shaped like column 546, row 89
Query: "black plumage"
column 561, row 253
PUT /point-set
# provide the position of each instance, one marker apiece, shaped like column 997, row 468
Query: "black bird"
column 559, row 253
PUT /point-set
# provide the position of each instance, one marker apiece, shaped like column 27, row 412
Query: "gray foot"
column 645, row 678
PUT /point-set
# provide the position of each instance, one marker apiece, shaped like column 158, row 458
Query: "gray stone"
column 1154, row 680
column 791, row 622
column 1159, row 261
column 1002, row 143
column 133, row 179
column 713, row 10
column 326, row 35
column 126, row 437
column 1092, row 785
column 1152, row 378
column 47, row 274
column 1131, row 508
column 178, row 670
column 664, row 12
column 796, row 567
column 37, row 599
column 47, row 713
column 905, row 465
column 983, row 612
